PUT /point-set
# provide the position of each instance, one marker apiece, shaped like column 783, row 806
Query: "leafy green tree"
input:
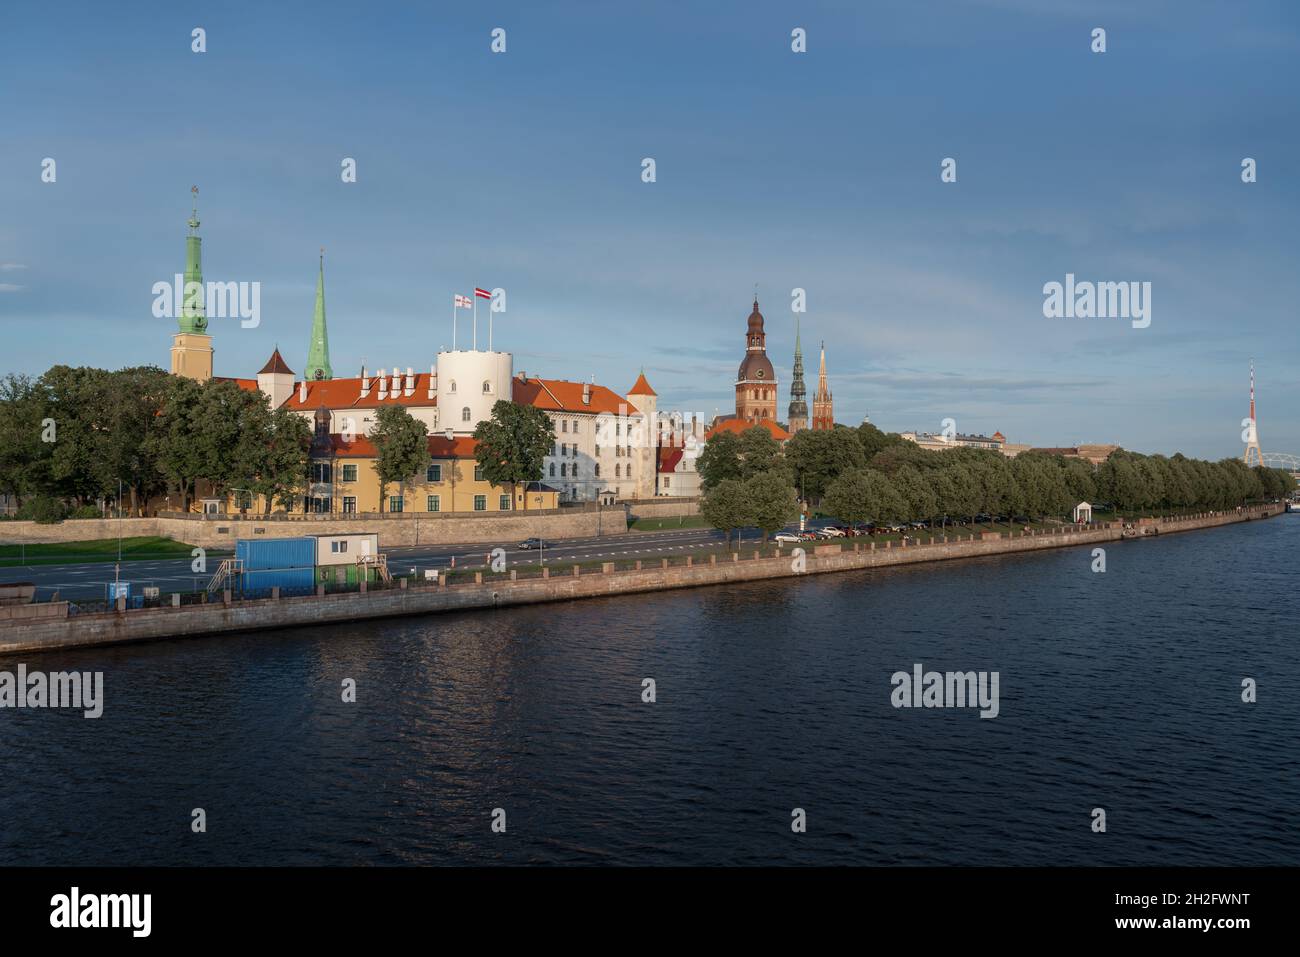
column 759, row 453
column 175, row 449
column 719, row 460
column 283, row 467
column 402, row 446
column 725, row 506
column 864, row 495
column 24, row 456
column 771, row 502
column 513, row 444
column 917, row 493
column 816, row 457
column 874, row 441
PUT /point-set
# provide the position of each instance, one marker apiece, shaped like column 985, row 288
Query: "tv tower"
column 1251, row 431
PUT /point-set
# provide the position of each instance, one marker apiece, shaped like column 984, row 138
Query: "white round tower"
column 470, row 382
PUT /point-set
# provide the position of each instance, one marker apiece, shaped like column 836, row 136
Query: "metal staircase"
column 227, row 571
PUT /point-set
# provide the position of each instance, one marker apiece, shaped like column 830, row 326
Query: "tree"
column 402, row 445
column 285, row 459
column 24, row 456
column 724, row 506
column 513, row 444
column 916, row 493
column 759, row 452
column 719, row 460
column 864, row 495
column 771, row 501
column 873, row 440
column 816, row 457
column 177, row 452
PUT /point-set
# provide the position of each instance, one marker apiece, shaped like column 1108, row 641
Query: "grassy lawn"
column 100, row 550
column 662, row 524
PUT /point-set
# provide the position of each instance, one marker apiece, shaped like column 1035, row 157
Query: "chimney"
column 302, row 391
column 410, row 382
column 396, row 387
column 365, row 382
column 382, row 382
column 433, row 381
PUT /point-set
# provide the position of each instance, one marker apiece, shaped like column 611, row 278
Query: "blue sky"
column 820, row 171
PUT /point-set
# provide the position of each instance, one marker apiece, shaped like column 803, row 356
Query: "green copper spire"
column 192, row 318
column 797, row 414
column 318, row 354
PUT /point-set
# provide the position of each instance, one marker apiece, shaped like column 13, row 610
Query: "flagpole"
column 489, row 325
column 453, row 322
column 476, row 320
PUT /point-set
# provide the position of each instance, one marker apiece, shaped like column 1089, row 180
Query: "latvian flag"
column 464, row 302
column 482, row 293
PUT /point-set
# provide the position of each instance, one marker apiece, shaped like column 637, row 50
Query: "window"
column 433, row 474
column 598, row 451
column 618, row 471
column 668, row 480
column 564, row 470
column 575, row 426
column 349, row 473
column 552, row 448
column 478, row 473
column 433, row 504
column 320, row 471
column 464, row 414
column 395, row 503
column 505, row 503
column 453, row 386
column 597, row 470
column 339, row 548
column 318, row 504
column 487, row 386
column 618, row 428
column 573, row 470
column 564, row 426
column 480, row 503
column 349, row 504
column 552, row 470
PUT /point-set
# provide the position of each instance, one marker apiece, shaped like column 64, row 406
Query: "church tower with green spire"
column 798, row 411
column 192, row 346
column 318, row 353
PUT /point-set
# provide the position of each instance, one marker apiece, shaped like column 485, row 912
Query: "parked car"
column 531, row 543
column 786, row 538
column 834, row 531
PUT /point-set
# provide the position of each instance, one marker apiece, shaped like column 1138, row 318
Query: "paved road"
column 86, row 580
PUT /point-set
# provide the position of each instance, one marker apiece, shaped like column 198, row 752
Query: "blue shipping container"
column 260, row 553
column 291, row 581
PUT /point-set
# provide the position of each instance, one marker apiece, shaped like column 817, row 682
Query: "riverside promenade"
column 53, row 629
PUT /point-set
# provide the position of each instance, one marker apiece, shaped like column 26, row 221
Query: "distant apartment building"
column 938, row 442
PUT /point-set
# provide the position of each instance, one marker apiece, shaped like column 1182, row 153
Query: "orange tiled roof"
column 641, row 387
column 559, row 395
column 346, row 394
column 440, row 447
column 738, row 426
column 248, row 385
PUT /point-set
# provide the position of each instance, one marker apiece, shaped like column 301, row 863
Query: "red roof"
column 248, row 385
column 276, row 364
column 738, row 426
column 559, row 395
column 668, row 459
column 641, row 387
column 346, row 394
column 440, row 447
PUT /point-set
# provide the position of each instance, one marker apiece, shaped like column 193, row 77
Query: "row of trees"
column 69, row 437
column 862, row 475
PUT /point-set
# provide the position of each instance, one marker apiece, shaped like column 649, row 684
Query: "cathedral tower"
column 755, row 382
column 823, row 410
column 318, row 353
column 797, row 418
column 192, row 346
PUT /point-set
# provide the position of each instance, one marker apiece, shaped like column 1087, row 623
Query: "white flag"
column 464, row 302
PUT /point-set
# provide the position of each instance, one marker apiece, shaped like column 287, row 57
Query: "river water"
column 1119, row 690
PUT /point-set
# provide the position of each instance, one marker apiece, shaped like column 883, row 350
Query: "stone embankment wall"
column 409, row 528
column 560, row 584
